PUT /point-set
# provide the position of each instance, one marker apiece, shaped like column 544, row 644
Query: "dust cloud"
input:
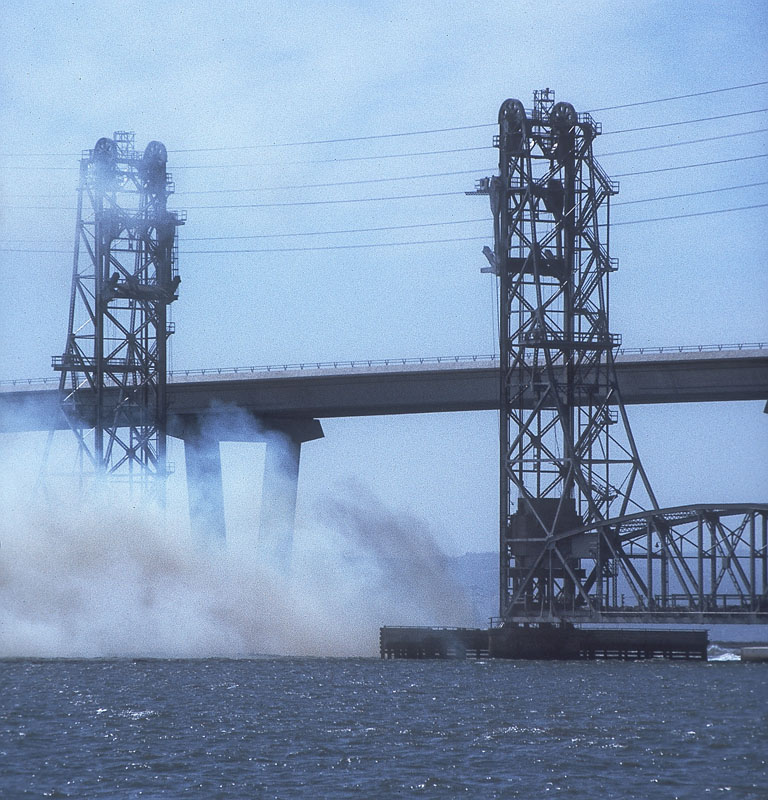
column 106, row 579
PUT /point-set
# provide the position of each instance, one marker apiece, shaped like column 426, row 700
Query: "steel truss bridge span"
column 702, row 563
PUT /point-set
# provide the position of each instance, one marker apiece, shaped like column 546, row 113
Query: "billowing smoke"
column 97, row 579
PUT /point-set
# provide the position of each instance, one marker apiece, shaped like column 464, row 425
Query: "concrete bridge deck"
column 371, row 388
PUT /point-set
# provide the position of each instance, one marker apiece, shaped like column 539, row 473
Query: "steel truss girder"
column 701, row 563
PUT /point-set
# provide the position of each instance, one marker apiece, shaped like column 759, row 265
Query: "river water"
column 337, row 728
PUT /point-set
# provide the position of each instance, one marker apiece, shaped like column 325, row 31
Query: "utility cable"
column 679, row 97
column 403, row 244
column 409, row 133
column 275, row 205
column 175, row 167
column 330, row 202
column 397, row 155
column 688, row 166
column 684, row 122
column 335, row 160
column 441, row 194
column 308, row 233
column 679, row 144
column 425, row 224
column 689, row 194
column 337, row 183
column 459, row 239
column 325, row 185
column 437, row 194
column 693, row 214
column 330, row 233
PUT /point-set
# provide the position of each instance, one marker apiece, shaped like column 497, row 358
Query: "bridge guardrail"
column 392, row 362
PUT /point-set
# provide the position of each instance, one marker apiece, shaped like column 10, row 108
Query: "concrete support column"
column 205, row 488
column 278, row 501
column 280, row 487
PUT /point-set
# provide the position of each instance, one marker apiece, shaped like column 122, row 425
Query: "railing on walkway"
column 394, row 362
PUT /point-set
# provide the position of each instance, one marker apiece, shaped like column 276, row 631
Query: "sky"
column 234, row 88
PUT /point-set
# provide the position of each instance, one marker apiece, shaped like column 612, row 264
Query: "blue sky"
column 257, row 74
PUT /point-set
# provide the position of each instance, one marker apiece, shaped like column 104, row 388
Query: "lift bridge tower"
column 113, row 369
column 581, row 534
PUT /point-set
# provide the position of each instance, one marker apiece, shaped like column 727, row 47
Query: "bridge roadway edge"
column 732, row 375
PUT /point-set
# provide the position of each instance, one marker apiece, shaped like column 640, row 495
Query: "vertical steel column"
column 700, row 559
column 764, row 587
column 713, row 563
column 752, row 571
column 649, row 563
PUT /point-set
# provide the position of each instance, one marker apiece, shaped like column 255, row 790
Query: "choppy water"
column 363, row 728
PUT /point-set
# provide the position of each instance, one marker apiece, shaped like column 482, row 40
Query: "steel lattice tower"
column 568, row 459
column 113, row 369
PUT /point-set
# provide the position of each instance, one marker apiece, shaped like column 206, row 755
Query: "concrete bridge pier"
column 202, row 434
column 280, row 485
column 205, row 490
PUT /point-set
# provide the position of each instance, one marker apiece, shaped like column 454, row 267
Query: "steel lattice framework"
column 113, row 369
column 581, row 533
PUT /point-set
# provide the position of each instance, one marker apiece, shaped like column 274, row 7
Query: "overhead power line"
column 175, row 167
column 334, row 160
column 679, row 144
column 690, row 194
column 688, row 166
column 337, row 140
column 276, row 205
column 685, row 122
column 307, row 233
column 330, row 202
column 447, row 194
column 329, row 233
column 464, row 238
column 324, row 185
column 692, row 214
column 428, row 195
column 385, row 156
column 329, row 184
column 399, row 134
column 230, row 251
column 679, row 97
column 429, row 153
column 415, row 225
